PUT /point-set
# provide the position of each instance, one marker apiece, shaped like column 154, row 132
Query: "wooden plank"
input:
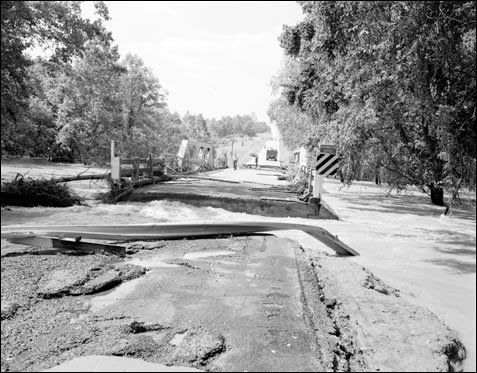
column 172, row 230
column 132, row 160
column 116, row 168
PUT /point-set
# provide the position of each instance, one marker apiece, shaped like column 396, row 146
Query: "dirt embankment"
column 373, row 328
column 253, row 303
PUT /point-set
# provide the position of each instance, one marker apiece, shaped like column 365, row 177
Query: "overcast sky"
column 213, row 57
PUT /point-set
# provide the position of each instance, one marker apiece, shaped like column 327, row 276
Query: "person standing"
column 235, row 160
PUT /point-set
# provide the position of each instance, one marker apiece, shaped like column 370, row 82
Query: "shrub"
column 29, row 193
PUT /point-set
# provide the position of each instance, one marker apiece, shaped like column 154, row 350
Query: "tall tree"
column 144, row 108
column 56, row 25
column 141, row 90
column 197, row 127
column 392, row 83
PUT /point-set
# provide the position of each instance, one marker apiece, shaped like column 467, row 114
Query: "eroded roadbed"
column 256, row 303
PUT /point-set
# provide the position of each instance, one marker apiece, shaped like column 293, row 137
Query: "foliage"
column 391, row 83
column 238, row 125
column 292, row 122
column 147, row 125
column 143, row 103
column 30, row 193
column 70, row 103
column 196, row 127
column 77, row 108
column 86, row 99
column 55, row 25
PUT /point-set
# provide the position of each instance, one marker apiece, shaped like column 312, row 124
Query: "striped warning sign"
column 327, row 164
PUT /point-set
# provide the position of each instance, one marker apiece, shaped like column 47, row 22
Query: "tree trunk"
column 454, row 196
column 437, row 194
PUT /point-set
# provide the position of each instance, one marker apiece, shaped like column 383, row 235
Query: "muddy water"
column 120, row 293
column 124, row 291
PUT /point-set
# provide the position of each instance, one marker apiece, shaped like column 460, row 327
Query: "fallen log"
column 80, row 177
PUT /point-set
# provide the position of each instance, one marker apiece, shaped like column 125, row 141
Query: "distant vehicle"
column 271, row 154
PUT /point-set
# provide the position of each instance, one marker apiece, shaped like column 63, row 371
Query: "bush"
column 20, row 192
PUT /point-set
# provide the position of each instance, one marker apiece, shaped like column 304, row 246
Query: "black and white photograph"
column 238, row 186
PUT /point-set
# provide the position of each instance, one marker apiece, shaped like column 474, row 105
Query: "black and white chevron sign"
column 327, row 162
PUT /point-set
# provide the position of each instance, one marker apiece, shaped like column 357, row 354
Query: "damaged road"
column 252, row 303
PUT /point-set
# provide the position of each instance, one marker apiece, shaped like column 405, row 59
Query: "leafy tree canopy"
column 55, row 25
column 238, row 125
column 391, row 83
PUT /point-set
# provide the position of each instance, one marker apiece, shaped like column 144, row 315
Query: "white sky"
column 213, row 57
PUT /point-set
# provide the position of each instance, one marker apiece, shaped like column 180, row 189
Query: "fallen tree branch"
column 80, row 177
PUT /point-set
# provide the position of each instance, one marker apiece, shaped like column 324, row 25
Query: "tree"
column 56, row 25
column 291, row 122
column 391, row 83
column 172, row 133
column 144, row 109
column 197, row 127
column 69, row 105
column 88, row 99
column 142, row 92
column 239, row 125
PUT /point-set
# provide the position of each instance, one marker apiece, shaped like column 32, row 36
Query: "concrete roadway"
column 253, row 194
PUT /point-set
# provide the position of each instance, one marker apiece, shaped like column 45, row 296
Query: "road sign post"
column 327, row 163
column 318, row 186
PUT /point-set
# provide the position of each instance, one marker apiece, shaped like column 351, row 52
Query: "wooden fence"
column 140, row 168
column 135, row 168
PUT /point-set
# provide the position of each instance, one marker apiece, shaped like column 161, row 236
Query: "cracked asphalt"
column 251, row 303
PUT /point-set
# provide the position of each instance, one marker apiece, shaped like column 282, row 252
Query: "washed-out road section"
column 255, row 303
